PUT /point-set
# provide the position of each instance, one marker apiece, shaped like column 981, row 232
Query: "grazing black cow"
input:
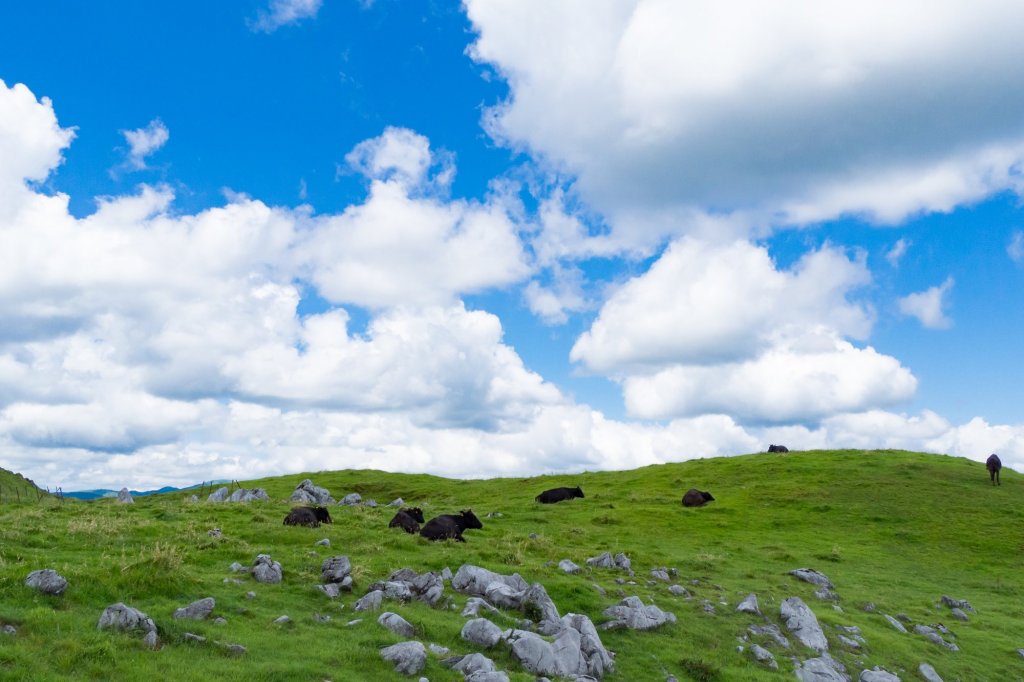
column 408, row 520
column 450, row 526
column 308, row 516
column 993, row 465
column 696, row 498
column 777, row 448
column 559, row 495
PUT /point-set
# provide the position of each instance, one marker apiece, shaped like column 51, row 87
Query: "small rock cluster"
column 308, row 493
column 240, row 495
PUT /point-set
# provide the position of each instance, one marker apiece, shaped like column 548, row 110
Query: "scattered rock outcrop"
column 197, row 610
column 397, row 624
column 631, row 613
column 802, row 622
column 309, row 493
column 409, row 657
column 47, row 581
column 266, row 570
column 809, row 575
column 482, row 632
column 821, row 669
column 605, row 560
column 240, row 495
column 121, row 617
column 125, row 497
column 337, row 570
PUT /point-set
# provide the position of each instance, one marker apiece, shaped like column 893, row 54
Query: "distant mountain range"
column 103, row 492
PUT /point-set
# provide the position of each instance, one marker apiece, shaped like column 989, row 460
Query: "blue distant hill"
column 104, row 492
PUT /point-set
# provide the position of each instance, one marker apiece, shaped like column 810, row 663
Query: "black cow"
column 777, row 448
column 408, row 520
column 450, row 526
column 696, row 498
column 993, row 465
column 559, row 495
column 308, row 516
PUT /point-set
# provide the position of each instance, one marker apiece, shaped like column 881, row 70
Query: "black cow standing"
column 696, row 498
column 308, row 516
column 450, row 526
column 993, row 465
column 777, row 448
column 559, row 495
column 408, row 520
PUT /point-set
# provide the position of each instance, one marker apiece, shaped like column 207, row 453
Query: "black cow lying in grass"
column 307, row 516
column 696, row 498
column 777, row 448
column 994, row 466
column 559, row 495
column 408, row 520
column 450, row 526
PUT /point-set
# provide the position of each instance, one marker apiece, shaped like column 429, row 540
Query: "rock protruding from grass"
column 482, row 632
column 928, row 673
column 266, row 570
column 569, row 567
column 771, row 631
column 633, row 614
column 309, row 493
column 405, row 584
column 809, row 575
column 370, row 601
column 125, row 497
column 470, row 665
column 121, row 617
column 764, row 657
column 576, row 650
column 605, row 560
column 895, row 623
column 47, row 581
column 408, row 657
column 821, row 669
column 958, row 604
column 240, row 495
column 934, row 637
column 878, row 675
column 802, row 622
column 338, row 570
column 351, row 499
column 197, row 610
column 749, row 605
column 397, row 624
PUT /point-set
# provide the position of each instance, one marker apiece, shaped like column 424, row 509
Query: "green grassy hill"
column 892, row 528
column 16, row 488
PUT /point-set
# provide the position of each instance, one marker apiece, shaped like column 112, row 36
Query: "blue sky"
column 503, row 238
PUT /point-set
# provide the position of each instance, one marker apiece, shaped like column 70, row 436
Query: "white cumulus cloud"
column 143, row 142
column 284, row 13
column 928, row 305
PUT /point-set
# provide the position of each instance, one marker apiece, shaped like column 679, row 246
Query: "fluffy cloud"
column 896, row 253
column 702, row 302
column 143, row 142
column 927, row 306
column 283, row 13
column 1015, row 249
column 406, row 245
column 784, row 115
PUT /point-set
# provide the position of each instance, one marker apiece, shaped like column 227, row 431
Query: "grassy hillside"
column 893, row 528
column 16, row 488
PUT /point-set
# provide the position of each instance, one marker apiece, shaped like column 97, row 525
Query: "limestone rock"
column 408, row 657
column 493, row 676
column 631, row 613
column 125, row 497
column 47, row 581
column 351, row 499
column 770, row 630
column 749, row 605
column 928, row 673
column 935, row 637
column 370, row 602
column 802, row 622
column 474, row 580
column 247, row 495
column 468, row 665
column 282, row 620
column 481, row 631
column 308, row 493
column 266, row 570
column 9, row 629
column 809, row 575
column 679, row 591
column 121, row 617
column 821, row 669
column 219, row 495
column 878, row 675
column 335, row 569
column 397, row 502
column 764, row 657
column 197, row 610
column 397, row 624
column 569, row 567
column 958, row 613
column 326, row 542
column 474, row 605
column 958, row 604
column 895, row 623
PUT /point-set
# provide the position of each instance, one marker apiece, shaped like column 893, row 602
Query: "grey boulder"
column 308, row 493
column 47, row 581
column 878, row 675
column 631, row 613
column 266, row 570
column 121, row 617
column 749, row 605
column 408, row 657
column 482, row 632
column 125, row 497
column 397, row 624
column 928, row 673
column 821, row 669
column 802, row 622
column 197, row 610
